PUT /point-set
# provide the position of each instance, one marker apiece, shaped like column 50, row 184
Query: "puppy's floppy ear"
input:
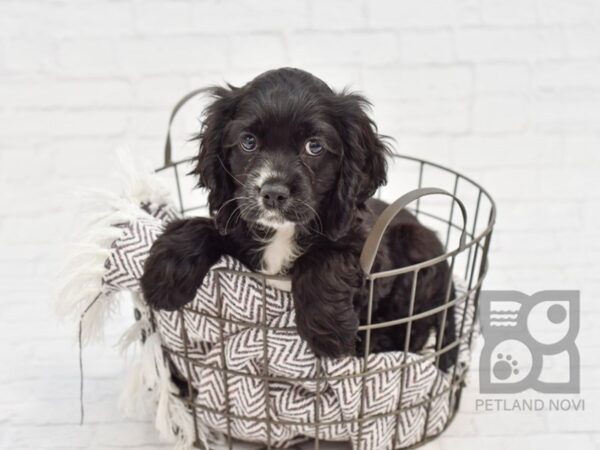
column 212, row 161
column 363, row 162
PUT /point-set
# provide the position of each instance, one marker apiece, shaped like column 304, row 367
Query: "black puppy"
column 290, row 166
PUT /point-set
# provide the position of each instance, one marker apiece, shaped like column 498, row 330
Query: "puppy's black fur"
column 285, row 155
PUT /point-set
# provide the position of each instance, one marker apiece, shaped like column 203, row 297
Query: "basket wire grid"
column 466, row 242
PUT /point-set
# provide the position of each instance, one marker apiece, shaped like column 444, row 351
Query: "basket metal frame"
column 474, row 275
column 474, row 243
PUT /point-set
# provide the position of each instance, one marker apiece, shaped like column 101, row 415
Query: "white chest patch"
column 281, row 250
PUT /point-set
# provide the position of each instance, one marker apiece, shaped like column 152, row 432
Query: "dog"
column 290, row 167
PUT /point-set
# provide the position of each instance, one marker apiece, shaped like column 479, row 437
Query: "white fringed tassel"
column 138, row 395
column 134, row 334
column 149, row 386
column 136, row 401
column 174, row 421
column 141, row 183
column 149, row 383
column 81, row 279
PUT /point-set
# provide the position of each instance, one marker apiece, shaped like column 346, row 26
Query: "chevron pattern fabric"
column 254, row 368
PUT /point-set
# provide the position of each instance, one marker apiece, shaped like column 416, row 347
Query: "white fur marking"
column 264, row 174
column 281, row 250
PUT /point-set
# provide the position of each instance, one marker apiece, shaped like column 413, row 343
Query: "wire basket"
column 459, row 209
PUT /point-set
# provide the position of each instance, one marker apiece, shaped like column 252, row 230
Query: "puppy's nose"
column 274, row 194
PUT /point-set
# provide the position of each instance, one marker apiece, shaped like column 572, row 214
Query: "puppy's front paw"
column 170, row 281
column 179, row 260
column 324, row 283
column 328, row 334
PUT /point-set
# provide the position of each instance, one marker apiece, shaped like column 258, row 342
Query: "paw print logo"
column 522, row 333
column 505, row 367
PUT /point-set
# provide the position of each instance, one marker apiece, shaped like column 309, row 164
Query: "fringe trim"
column 81, row 278
column 149, row 387
column 83, row 296
column 141, row 183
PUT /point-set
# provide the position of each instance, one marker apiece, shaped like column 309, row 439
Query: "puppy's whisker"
column 247, row 208
column 307, row 217
column 305, row 221
column 231, row 215
column 316, row 215
column 226, row 170
column 315, row 230
column 255, row 224
column 244, row 212
column 229, row 201
column 307, row 167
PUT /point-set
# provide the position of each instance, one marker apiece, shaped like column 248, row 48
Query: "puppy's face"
column 284, row 153
column 286, row 149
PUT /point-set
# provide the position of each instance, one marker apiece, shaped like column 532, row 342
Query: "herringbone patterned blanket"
column 232, row 356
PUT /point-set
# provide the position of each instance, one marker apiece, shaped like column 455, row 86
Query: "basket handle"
column 369, row 251
column 176, row 108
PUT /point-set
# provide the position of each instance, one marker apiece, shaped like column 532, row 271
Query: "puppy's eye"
column 313, row 147
column 248, row 142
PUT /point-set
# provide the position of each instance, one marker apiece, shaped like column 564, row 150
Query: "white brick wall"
column 507, row 91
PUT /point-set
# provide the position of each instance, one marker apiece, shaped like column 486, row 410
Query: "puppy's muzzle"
column 274, row 194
